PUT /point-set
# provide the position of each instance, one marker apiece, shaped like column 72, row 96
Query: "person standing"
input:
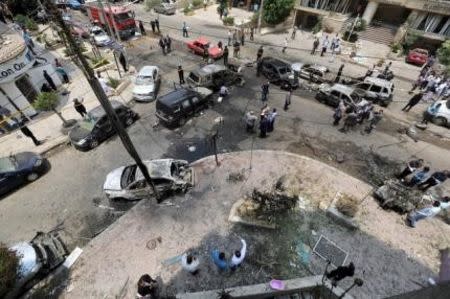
column 252, row 30
column 294, row 31
column 287, row 100
column 219, row 260
column 205, row 54
column 152, row 23
column 236, row 49
column 411, row 166
column 436, row 178
column 25, row 131
column 79, row 107
column 242, row 37
column 220, row 45
column 413, row 101
column 225, row 56
column 234, row 36
column 205, row 4
column 157, row 25
column 141, row 28
column 185, row 30
column 168, row 43
column 49, row 80
column 263, row 126
column 286, row 42
column 250, row 121
column 123, row 61
column 265, row 91
column 325, row 43
column 338, row 113
column 315, row 46
column 349, row 122
column 190, row 263
column 339, row 74
column 374, row 119
column 181, row 74
column 229, row 37
column 162, row 44
column 260, row 53
column 238, row 256
column 271, row 118
column 60, row 70
column 220, row 11
column 424, row 213
column 28, row 41
column 57, row 63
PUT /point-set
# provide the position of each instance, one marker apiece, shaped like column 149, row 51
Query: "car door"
column 375, row 92
column 198, row 48
column 187, row 107
column 138, row 189
column 334, row 98
column 9, row 181
column 365, row 87
column 218, row 79
column 103, row 128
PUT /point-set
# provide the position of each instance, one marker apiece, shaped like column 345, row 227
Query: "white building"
column 21, row 76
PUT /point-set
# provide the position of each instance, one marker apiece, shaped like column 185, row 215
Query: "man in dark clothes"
column 339, row 74
column 49, row 80
column 152, row 23
column 162, row 44
column 168, row 42
column 123, row 62
column 46, row 88
column 258, row 67
column 260, row 53
column 25, row 131
column 413, row 101
column 410, row 168
column 252, row 30
column 147, row 287
column 349, row 122
column 436, row 178
column 225, row 56
column 141, row 28
column 205, row 54
column 264, row 91
column 242, row 37
column 340, row 273
column 181, row 74
column 157, row 25
column 315, row 46
column 79, row 107
column 263, row 127
column 287, row 100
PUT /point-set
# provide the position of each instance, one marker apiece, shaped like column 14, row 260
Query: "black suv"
column 177, row 106
column 278, row 72
column 96, row 127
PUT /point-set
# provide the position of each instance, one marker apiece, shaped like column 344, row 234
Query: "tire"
column 182, row 121
column 94, row 143
column 440, row 121
column 32, row 177
column 129, row 121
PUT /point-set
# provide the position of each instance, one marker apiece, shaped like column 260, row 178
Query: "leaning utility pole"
column 261, row 8
column 101, row 96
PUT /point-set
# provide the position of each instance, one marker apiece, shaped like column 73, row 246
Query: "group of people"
column 357, row 115
column 266, row 121
column 334, row 45
column 165, row 42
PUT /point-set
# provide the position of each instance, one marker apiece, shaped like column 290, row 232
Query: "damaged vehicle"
column 214, row 76
column 278, row 72
column 168, row 175
column 36, row 259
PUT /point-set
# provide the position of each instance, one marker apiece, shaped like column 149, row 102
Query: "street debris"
column 73, row 256
column 236, row 177
column 347, row 205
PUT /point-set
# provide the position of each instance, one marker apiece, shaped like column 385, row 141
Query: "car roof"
column 343, row 88
column 211, row 68
column 276, row 62
column 202, row 40
column 147, row 70
column 159, row 168
column 175, row 96
column 98, row 111
column 317, row 67
column 378, row 81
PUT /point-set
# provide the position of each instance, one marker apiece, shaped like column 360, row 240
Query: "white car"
column 439, row 113
column 168, row 175
column 101, row 38
column 147, row 84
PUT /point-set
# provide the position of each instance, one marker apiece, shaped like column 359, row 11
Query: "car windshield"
column 144, row 80
column 194, row 77
column 97, row 32
column 128, row 175
column 87, row 125
column 123, row 16
column 8, row 164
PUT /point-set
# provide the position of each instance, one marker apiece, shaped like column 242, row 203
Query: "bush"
column 113, row 83
column 276, row 11
column 347, row 205
column 410, row 39
column 98, row 62
column 318, row 26
column 197, row 3
column 396, row 47
column 187, row 9
column 26, row 21
column 9, row 262
column 360, row 25
column 150, row 4
column 228, row 21
column 350, row 38
column 46, row 101
column 443, row 53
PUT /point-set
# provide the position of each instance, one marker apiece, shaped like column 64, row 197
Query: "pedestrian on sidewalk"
column 260, row 53
column 147, row 287
column 419, row 177
column 49, row 80
column 294, row 31
column 374, row 118
column 190, row 263
column 181, row 74
column 272, row 116
column 238, row 256
column 220, row 45
column 185, row 30
column 168, row 42
column 225, row 56
column 250, row 121
column 57, row 63
column 162, row 44
column 123, row 61
column 234, row 36
column 242, row 37
column 315, row 46
column 411, row 166
column 325, row 43
column 205, row 4
column 219, row 260
column 220, row 11
column 286, row 41
column 252, row 30
column 418, row 83
column 436, row 178
column 339, row 74
column 25, row 131
column 152, row 23
column 236, row 49
column 265, row 91
column 62, row 73
column 338, row 113
column 424, row 213
column 157, row 25
column 229, row 37
column 287, row 100
column 263, row 126
column 79, row 107
column 141, row 28
column 413, row 101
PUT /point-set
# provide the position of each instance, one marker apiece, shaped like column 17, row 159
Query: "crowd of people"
column 363, row 112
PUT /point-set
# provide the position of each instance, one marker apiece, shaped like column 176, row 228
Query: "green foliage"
column 187, row 9
column 98, row 62
column 443, row 54
column 228, row 21
column 46, row 101
column 276, row 11
column 9, row 262
column 150, row 4
column 197, row 3
column 70, row 52
column 410, row 38
column 360, row 25
column 25, row 7
column 318, row 26
column 396, row 47
column 26, row 21
column 113, row 83
column 350, row 38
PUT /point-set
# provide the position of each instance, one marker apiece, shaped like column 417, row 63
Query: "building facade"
column 21, row 78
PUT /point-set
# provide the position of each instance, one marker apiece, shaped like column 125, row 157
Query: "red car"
column 79, row 31
column 417, row 56
column 197, row 46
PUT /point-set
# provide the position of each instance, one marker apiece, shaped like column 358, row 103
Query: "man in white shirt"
column 424, row 213
column 238, row 256
column 190, row 263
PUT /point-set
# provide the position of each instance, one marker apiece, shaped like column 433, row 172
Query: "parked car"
column 168, row 175
column 176, row 107
column 214, row 76
column 377, row 90
column 331, row 95
column 147, row 84
column 79, row 31
column 314, row 72
column 36, row 259
column 417, row 56
column 278, row 72
column 101, row 38
column 96, row 127
column 439, row 113
column 73, row 4
column 18, row 169
column 165, row 8
column 198, row 47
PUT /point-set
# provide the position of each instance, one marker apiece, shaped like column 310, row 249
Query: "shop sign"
column 11, row 69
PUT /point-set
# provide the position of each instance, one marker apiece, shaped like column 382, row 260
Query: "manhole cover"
column 329, row 251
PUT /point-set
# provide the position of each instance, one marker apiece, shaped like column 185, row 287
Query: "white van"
column 439, row 113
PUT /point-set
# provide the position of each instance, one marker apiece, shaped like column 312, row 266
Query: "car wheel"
column 440, row 121
column 182, row 121
column 94, row 143
column 129, row 121
column 32, row 177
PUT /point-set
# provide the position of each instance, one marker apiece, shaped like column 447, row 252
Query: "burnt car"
column 168, row 175
column 278, row 72
column 176, row 107
column 214, row 76
column 96, row 127
column 332, row 95
column 313, row 72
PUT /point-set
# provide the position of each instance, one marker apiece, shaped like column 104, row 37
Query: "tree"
column 443, row 53
column 276, row 11
column 27, row 7
column 9, row 262
column 150, row 4
column 48, row 101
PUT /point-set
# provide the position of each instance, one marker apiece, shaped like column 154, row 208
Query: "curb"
column 60, row 140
